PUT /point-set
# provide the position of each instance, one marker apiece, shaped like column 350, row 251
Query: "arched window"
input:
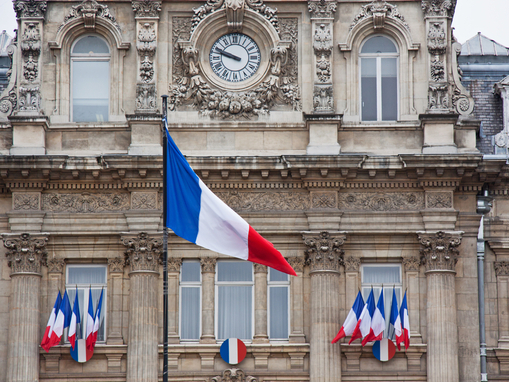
column 90, row 79
column 379, row 79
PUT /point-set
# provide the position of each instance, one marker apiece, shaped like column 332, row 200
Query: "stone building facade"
column 346, row 139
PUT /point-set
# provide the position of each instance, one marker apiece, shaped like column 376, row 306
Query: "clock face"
column 235, row 57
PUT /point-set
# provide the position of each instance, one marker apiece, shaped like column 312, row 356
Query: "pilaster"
column 174, row 264
column 502, row 273
column 411, row 266
column 115, row 297
column 208, row 272
column 260, row 286
column 297, row 301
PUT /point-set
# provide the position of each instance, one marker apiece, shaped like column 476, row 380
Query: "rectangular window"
column 389, row 89
column 386, row 275
column 81, row 278
column 234, row 300
column 369, row 89
column 90, row 91
column 278, row 301
column 190, row 300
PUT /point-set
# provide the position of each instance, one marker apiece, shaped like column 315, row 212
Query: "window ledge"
column 92, row 126
column 377, row 126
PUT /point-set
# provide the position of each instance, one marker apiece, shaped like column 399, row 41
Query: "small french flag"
column 384, row 349
column 233, row 351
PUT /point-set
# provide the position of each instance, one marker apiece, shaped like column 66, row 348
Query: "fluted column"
column 208, row 271
column 439, row 255
column 324, row 258
column 143, row 255
column 297, row 301
column 260, row 286
column 26, row 254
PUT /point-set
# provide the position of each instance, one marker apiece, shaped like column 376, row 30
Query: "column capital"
column 297, row 263
column 30, row 8
column 116, row 265
column 324, row 252
column 143, row 251
column 501, row 268
column 174, row 264
column 438, row 250
column 438, row 8
column 260, row 268
column 146, row 8
column 26, row 253
column 322, row 9
column 208, row 264
column 352, row 264
column 412, row 263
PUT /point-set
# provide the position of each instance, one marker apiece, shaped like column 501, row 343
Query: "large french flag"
column 45, row 343
column 351, row 320
column 61, row 322
column 75, row 320
column 378, row 322
column 196, row 214
column 405, row 335
column 363, row 326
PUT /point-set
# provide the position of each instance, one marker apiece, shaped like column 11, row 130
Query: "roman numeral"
column 253, row 57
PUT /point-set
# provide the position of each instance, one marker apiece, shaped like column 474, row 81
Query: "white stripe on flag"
column 384, row 350
column 233, row 351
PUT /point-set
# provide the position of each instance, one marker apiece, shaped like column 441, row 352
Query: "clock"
column 234, row 57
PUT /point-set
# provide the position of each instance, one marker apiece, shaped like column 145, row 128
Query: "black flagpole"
column 165, row 250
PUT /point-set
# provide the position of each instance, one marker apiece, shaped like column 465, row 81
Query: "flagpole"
column 165, row 249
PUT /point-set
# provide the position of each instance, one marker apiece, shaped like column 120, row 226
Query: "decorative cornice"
column 26, row 253
column 234, row 375
column 501, row 268
column 411, row 264
column 260, row 268
column 116, row 265
column 146, row 8
column 55, row 265
column 438, row 250
column 208, row 264
column 143, row 252
column 322, row 9
column 352, row 264
column 324, row 252
column 30, row 8
column 297, row 263
column 174, row 264
column 434, row 8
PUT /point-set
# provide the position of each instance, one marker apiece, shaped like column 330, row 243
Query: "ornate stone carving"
column 462, row 101
column 174, row 264
column 143, row 252
column 437, row 70
column 297, row 263
column 9, row 102
column 322, row 45
column 30, row 8
column 234, row 15
column 381, row 201
column 146, row 97
column 29, row 98
column 501, row 268
column 439, row 200
column 181, row 31
column 324, row 200
column 30, row 46
column 438, row 250
column 411, row 264
column 322, row 9
column 116, row 265
column 146, row 46
column 438, row 97
column 352, row 264
column 89, row 10
column 208, row 264
column 323, row 69
column 143, row 201
column 260, row 268
column 233, row 375
column 438, row 7
column 437, row 41
column 85, row 203
column 265, row 201
column 26, row 202
column 55, row 265
column 25, row 253
column 378, row 11
column 323, row 99
column 146, row 8
column 324, row 252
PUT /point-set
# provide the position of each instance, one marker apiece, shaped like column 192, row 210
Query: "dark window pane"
column 278, row 312
column 190, row 314
column 389, row 89
column 368, row 89
column 191, row 271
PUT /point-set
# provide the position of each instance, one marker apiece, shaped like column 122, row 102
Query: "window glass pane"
column 381, row 275
column 234, row 271
column 368, row 89
column 86, row 275
column 190, row 271
column 234, row 312
column 379, row 44
column 275, row 275
column 91, row 44
column 389, row 89
column 190, row 313
column 278, row 312
column 90, row 91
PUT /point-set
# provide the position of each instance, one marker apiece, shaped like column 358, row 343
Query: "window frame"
column 190, row 284
column 217, row 284
column 378, row 57
column 277, row 284
column 84, row 308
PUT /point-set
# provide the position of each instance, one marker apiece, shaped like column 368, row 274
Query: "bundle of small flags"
column 62, row 317
column 368, row 322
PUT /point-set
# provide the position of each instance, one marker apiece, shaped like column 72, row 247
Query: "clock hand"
column 224, row 53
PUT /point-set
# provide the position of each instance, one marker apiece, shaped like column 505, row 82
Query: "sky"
column 490, row 17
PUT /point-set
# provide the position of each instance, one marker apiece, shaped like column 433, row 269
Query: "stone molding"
column 322, row 9
column 89, row 10
column 146, row 8
column 30, row 8
column 234, row 375
column 438, row 250
column 379, row 11
column 208, row 264
column 143, row 252
column 501, row 268
column 26, row 253
column 411, row 264
column 55, row 265
column 174, row 264
column 352, row 264
column 116, row 265
column 260, row 268
column 434, row 8
column 324, row 252
column 297, row 263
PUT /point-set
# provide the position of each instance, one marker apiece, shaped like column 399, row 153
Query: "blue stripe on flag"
column 224, row 351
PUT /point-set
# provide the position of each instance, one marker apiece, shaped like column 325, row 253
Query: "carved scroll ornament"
column 324, row 250
column 25, row 253
column 378, row 11
column 439, row 250
column 89, row 10
column 233, row 375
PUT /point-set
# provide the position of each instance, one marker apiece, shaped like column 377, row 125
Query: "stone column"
column 297, row 301
column 115, row 296
column 143, row 254
column 208, row 271
column 260, row 286
column 26, row 254
column 324, row 258
column 174, row 264
column 439, row 255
